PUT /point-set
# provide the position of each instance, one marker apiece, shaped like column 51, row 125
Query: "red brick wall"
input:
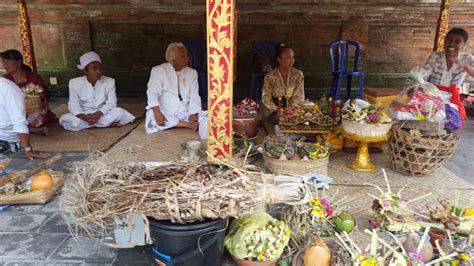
column 131, row 35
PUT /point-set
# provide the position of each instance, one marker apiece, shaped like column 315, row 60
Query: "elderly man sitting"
column 92, row 99
column 13, row 124
column 173, row 95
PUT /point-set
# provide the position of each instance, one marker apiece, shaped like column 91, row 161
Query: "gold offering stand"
column 308, row 120
column 362, row 159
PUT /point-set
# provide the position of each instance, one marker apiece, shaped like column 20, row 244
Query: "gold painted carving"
column 26, row 38
column 220, row 45
column 442, row 27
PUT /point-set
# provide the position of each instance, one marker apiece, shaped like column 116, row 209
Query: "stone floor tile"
column 45, row 263
column 22, row 222
column 28, row 246
column 55, row 224
column 87, row 249
column 133, row 256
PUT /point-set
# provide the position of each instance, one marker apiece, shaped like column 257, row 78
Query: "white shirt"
column 438, row 73
column 85, row 98
column 12, row 111
column 163, row 90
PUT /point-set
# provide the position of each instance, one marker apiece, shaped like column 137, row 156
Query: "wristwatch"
column 28, row 149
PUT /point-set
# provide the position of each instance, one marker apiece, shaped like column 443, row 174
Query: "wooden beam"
column 442, row 26
column 220, row 62
column 26, row 38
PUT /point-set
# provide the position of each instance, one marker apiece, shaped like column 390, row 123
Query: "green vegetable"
column 344, row 223
column 278, row 148
column 20, row 190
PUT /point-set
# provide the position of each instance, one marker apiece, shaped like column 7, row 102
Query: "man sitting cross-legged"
column 173, row 95
column 92, row 99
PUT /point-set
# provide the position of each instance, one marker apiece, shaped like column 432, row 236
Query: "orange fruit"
column 41, row 181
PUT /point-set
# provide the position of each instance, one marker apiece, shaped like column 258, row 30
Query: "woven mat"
column 160, row 147
column 442, row 178
column 86, row 140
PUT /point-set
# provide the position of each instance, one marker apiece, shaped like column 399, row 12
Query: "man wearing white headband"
column 92, row 99
column 173, row 95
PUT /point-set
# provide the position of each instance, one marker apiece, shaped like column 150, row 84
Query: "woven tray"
column 296, row 167
column 32, row 197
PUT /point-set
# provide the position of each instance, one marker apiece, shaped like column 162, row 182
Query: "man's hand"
column 83, row 117
column 159, row 117
column 193, row 118
column 93, row 118
column 32, row 155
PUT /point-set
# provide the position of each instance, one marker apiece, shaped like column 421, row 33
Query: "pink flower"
column 325, row 202
column 330, row 211
column 416, row 255
column 372, row 118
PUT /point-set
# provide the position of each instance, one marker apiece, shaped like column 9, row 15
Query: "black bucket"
column 177, row 244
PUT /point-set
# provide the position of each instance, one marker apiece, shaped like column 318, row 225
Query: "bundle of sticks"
column 99, row 191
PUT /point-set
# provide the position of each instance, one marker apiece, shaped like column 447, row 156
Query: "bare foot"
column 193, row 126
column 115, row 125
column 40, row 131
column 45, row 131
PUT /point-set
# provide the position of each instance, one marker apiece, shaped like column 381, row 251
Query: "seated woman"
column 448, row 69
column 21, row 75
column 282, row 83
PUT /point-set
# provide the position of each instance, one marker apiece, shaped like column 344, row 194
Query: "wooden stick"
column 386, row 180
column 373, row 243
column 422, row 241
column 398, row 242
column 345, row 245
column 419, row 198
column 382, row 241
column 375, row 186
column 442, row 258
column 450, row 238
column 352, row 242
column 247, row 154
column 53, row 159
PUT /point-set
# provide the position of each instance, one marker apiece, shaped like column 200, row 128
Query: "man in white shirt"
column 92, row 99
column 13, row 124
column 173, row 95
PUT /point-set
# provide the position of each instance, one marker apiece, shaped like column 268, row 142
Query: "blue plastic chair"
column 197, row 52
column 261, row 49
column 340, row 68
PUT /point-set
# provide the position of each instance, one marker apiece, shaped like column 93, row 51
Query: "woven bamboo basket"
column 295, row 166
column 32, row 197
column 420, row 156
column 33, row 104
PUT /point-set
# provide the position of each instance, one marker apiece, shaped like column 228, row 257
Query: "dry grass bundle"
column 100, row 191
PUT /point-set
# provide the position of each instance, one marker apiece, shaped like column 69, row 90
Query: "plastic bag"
column 422, row 101
column 453, row 118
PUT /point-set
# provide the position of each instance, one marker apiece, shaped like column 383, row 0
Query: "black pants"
column 7, row 147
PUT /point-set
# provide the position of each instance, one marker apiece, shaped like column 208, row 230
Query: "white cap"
column 88, row 58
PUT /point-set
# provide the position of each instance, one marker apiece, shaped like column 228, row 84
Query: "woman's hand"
column 464, row 66
column 460, row 63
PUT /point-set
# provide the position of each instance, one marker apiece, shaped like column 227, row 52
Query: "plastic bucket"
column 178, row 244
